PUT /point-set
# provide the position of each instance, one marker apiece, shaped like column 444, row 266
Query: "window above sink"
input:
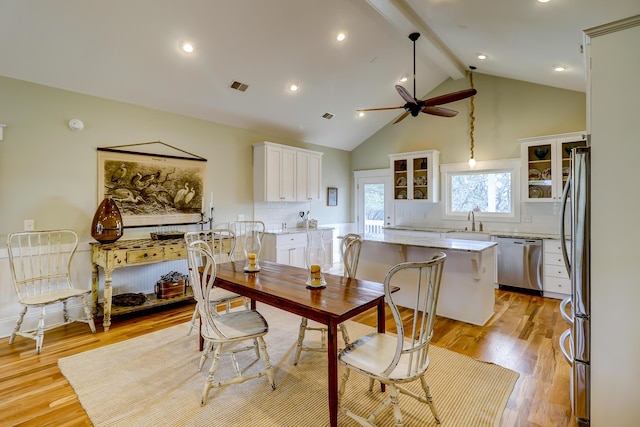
column 490, row 190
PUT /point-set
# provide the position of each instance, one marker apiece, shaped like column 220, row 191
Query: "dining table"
column 284, row 287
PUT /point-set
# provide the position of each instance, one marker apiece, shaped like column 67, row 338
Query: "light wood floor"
column 522, row 335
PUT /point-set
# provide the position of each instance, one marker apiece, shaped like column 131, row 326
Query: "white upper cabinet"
column 416, row 175
column 546, row 164
column 285, row 174
column 309, row 176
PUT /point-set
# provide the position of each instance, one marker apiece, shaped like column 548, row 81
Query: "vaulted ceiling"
column 129, row 51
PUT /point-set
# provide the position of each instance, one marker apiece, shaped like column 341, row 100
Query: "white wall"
column 48, row 173
column 615, row 232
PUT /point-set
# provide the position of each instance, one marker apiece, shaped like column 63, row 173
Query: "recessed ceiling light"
column 559, row 68
column 543, row 1
column 186, row 47
column 404, row 78
column 482, row 56
column 341, row 37
column 293, row 87
column 361, row 114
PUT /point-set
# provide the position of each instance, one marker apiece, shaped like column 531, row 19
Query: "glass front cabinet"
column 546, row 164
column 415, row 175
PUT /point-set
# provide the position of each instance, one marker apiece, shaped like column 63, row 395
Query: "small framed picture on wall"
column 332, row 196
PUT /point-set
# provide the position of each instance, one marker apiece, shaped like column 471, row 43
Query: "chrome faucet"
column 471, row 216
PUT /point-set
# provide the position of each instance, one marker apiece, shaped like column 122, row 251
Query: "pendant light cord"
column 471, row 116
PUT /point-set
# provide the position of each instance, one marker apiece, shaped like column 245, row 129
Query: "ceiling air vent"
column 328, row 116
column 239, row 86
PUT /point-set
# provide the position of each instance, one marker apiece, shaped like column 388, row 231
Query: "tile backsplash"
column 273, row 214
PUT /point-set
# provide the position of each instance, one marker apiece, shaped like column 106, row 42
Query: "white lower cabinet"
column 556, row 282
column 289, row 248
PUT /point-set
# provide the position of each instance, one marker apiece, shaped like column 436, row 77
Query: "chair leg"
column 88, row 314
column 65, row 312
column 267, row 363
column 345, row 334
column 397, row 413
column 429, row 398
column 206, row 351
column 193, row 319
column 343, row 386
column 212, row 371
column 40, row 331
column 18, row 324
column 303, row 328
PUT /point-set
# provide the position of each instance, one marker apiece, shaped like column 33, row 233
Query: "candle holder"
column 315, row 259
column 252, row 247
column 204, row 219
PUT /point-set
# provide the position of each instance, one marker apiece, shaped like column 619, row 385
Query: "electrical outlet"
column 29, row 225
column 526, row 218
column 240, row 217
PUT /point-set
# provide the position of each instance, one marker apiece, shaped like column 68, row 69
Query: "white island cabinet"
column 467, row 290
column 289, row 247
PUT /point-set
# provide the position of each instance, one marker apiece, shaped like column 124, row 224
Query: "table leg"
column 332, row 355
column 107, row 300
column 94, row 289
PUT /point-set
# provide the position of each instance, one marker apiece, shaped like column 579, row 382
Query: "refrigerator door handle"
column 563, row 347
column 563, row 210
column 563, row 310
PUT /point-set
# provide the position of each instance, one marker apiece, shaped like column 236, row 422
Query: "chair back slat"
column 413, row 346
column 241, row 229
column 222, row 242
column 41, row 261
column 350, row 250
column 202, row 276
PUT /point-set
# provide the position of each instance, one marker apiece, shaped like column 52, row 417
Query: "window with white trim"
column 490, row 190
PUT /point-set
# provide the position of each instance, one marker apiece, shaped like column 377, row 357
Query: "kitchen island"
column 467, row 291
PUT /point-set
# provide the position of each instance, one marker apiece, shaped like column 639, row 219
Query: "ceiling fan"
column 414, row 106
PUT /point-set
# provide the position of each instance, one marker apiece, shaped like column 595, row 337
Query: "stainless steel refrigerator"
column 576, row 309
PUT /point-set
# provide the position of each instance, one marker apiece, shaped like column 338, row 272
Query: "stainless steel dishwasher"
column 520, row 265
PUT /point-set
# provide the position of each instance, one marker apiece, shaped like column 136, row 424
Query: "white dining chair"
column 222, row 242
column 350, row 251
column 40, row 264
column 395, row 360
column 221, row 329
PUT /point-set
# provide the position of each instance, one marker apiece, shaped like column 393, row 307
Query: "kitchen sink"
column 469, row 235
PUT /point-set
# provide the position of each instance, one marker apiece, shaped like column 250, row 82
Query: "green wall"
column 505, row 110
column 48, row 173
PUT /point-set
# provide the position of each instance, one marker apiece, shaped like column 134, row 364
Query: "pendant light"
column 472, row 160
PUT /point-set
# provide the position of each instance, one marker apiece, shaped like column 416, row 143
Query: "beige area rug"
column 152, row 380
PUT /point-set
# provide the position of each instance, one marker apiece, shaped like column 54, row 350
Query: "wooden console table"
column 127, row 253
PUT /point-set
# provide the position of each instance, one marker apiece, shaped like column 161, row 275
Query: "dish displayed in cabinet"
column 402, row 181
column 566, row 171
column 535, row 192
column 546, row 174
column 421, row 180
column 417, row 194
column 402, row 194
column 535, row 174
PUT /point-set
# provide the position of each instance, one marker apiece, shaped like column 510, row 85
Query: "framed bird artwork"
column 152, row 189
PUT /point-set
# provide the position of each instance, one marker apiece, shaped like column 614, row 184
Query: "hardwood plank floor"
column 522, row 335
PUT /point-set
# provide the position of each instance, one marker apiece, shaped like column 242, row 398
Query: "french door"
column 373, row 200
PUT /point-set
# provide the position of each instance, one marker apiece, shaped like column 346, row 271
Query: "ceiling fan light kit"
column 431, row 106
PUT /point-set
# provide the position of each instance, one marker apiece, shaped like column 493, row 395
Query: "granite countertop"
column 503, row 233
column 430, row 242
column 294, row 230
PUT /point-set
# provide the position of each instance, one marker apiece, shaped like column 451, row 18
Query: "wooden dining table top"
column 285, row 287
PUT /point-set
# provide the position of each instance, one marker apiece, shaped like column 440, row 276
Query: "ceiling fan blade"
column 450, row 97
column 382, row 108
column 405, row 94
column 439, row 111
column 402, row 116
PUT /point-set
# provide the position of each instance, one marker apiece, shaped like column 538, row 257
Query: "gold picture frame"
column 152, row 189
